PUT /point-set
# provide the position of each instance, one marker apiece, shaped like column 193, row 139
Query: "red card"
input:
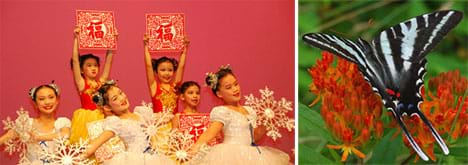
column 97, row 29
column 196, row 124
column 165, row 31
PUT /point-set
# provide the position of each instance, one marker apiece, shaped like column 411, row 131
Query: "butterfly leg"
column 436, row 135
column 413, row 143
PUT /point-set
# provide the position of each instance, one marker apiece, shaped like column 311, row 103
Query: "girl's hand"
column 194, row 149
column 32, row 137
column 83, row 156
column 116, row 34
column 145, row 39
column 76, row 31
column 186, row 41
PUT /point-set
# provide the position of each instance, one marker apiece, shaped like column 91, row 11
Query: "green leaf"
column 438, row 63
column 312, row 123
column 459, row 150
column 387, row 149
column 417, row 8
column 308, row 155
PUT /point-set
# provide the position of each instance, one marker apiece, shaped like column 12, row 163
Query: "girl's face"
column 46, row 100
column 165, row 72
column 229, row 89
column 90, row 68
column 191, row 96
column 117, row 100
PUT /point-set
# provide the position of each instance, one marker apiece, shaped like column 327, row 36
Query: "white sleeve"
column 112, row 123
column 220, row 114
column 62, row 122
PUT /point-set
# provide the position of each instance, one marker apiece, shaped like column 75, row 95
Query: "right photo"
column 382, row 82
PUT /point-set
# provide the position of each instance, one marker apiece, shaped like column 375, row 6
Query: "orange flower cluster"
column 446, row 110
column 349, row 107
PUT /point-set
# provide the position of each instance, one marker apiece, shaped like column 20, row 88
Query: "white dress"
column 33, row 149
column 236, row 149
column 137, row 143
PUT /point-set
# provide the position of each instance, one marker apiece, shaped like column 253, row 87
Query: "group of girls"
column 115, row 132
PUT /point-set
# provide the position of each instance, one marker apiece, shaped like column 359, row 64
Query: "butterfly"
column 394, row 63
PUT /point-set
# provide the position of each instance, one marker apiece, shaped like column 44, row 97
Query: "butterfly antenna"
column 436, row 135
column 413, row 143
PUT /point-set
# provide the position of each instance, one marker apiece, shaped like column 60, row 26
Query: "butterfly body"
column 394, row 63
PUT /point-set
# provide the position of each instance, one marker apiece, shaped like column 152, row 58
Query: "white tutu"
column 236, row 154
column 126, row 158
column 236, row 148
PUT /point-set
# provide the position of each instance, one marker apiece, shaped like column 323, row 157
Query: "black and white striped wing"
column 408, row 43
column 359, row 53
column 403, row 49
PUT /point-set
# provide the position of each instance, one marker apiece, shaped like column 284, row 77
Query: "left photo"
column 147, row 82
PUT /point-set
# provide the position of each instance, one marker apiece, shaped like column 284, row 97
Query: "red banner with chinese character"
column 97, row 29
column 165, row 31
column 196, row 124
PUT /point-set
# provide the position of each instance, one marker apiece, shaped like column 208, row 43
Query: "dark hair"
column 221, row 73
column 100, row 97
column 156, row 62
column 83, row 58
column 33, row 91
column 186, row 85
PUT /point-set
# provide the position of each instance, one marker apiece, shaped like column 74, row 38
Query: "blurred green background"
column 365, row 19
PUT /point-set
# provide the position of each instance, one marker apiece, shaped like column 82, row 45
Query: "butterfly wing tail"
column 436, row 135
column 412, row 142
column 334, row 44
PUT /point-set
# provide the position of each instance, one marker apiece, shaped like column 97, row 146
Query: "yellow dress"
column 88, row 113
column 164, row 101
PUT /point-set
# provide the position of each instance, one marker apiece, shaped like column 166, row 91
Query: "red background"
column 256, row 38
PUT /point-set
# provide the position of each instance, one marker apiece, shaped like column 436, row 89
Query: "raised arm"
column 181, row 66
column 10, row 134
column 210, row 133
column 96, row 143
column 149, row 68
column 108, row 65
column 79, row 81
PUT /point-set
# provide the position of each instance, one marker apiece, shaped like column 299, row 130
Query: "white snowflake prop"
column 179, row 144
column 66, row 154
column 22, row 128
column 156, row 121
column 271, row 113
column 156, row 126
column 178, row 148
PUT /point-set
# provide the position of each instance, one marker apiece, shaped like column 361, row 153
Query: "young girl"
column 238, row 124
column 126, row 125
column 85, row 72
column 162, row 89
column 110, row 148
column 189, row 93
column 45, row 127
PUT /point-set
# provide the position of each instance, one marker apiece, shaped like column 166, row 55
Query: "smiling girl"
column 127, row 125
column 45, row 127
column 238, row 124
column 87, row 81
